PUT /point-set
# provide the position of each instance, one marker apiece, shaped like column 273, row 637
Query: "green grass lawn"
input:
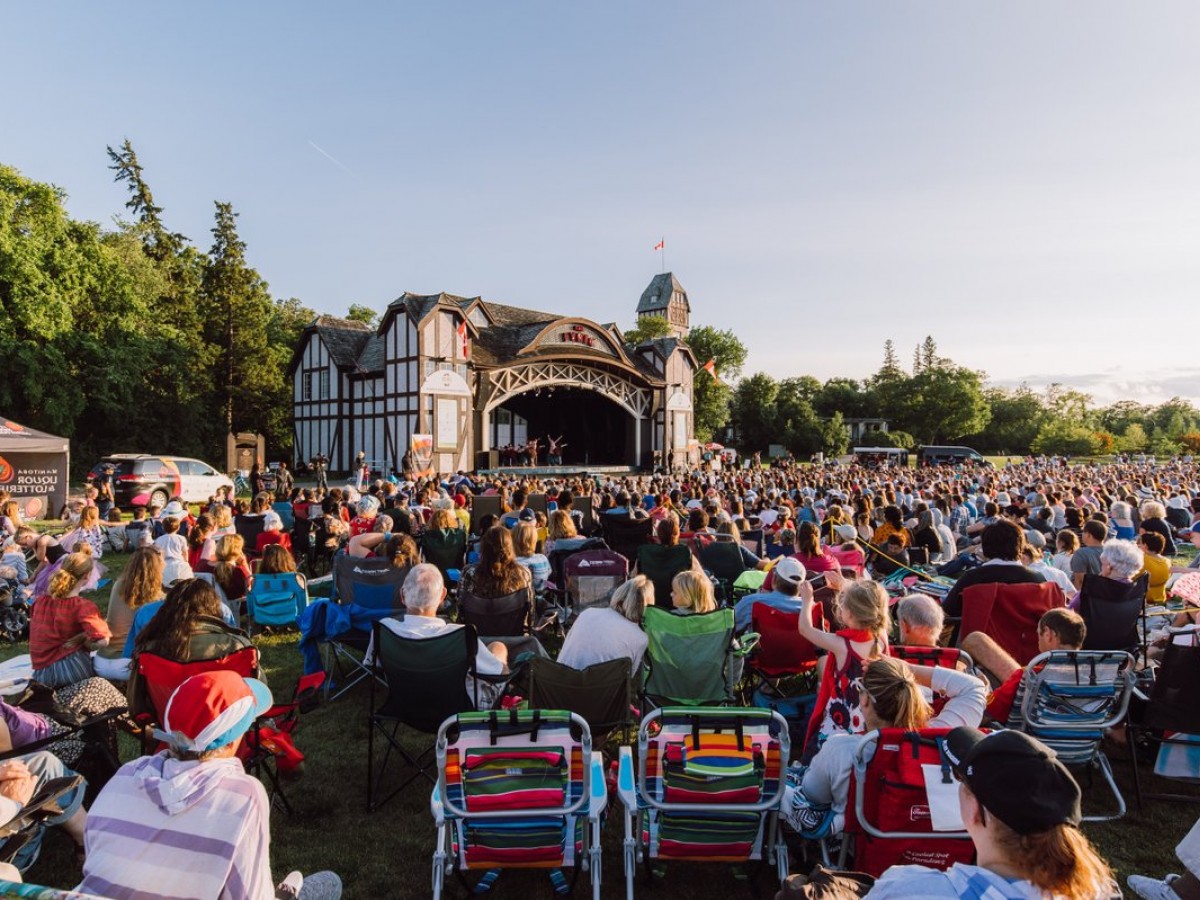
column 387, row 853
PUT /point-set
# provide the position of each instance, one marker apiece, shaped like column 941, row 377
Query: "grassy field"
column 387, row 853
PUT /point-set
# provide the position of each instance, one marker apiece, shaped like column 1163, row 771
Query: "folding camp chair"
column 1111, row 610
column 601, row 694
column 507, row 616
column 25, row 889
column 162, row 676
column 1009, row 614
column 887, row 818
column 29, row 822
column 781, row 651
column 1170, row 712
column 426, row 682
column 625, row 535
column 707, row 786
column 723, row 561
column 753, row 540
column 1070, row 698
column 689, row 658
column 590, row 577
column 368, row 583
column 286, row 515
column 661, row 564
column 249, row 527
column 517, row 790
column 559, row 556
column 749, row 582
column 446, row 548
column 275, row 601
column 934, row 657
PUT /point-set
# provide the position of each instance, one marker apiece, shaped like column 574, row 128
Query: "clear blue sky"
column 1018, row 180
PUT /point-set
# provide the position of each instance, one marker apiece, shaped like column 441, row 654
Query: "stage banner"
column 422, row 451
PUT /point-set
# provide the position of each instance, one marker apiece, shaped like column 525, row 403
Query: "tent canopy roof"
column 14, row 437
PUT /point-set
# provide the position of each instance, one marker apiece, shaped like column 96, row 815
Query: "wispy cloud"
column 1152, row 386
column 330, row 157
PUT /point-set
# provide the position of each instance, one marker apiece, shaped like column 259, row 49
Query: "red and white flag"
column 661, row 245
column 711, row 368
column 462, row 336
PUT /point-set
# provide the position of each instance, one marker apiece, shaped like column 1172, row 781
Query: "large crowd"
column 869, row 541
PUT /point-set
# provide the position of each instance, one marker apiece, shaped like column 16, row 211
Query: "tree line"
column 134, row 339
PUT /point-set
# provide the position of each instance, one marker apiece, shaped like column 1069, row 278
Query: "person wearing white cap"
column 189, row 821
column 784, row 595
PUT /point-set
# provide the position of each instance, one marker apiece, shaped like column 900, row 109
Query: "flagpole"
column 663, row 254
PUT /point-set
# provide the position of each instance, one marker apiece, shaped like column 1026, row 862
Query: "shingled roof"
column 343, row 338
column 658, row 293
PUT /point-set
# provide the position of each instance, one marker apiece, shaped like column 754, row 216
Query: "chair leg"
column 1131, row 743
column 1101, row 762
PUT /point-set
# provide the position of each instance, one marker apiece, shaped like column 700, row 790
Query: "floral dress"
column 838, row 706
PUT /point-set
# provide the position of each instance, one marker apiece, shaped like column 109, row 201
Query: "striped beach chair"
column 517, row 789
column 1067, row 699
column 707, row 787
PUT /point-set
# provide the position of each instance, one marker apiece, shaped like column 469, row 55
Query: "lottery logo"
column 7, row 472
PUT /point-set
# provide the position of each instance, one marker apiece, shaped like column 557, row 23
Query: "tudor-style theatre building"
column 476, row 376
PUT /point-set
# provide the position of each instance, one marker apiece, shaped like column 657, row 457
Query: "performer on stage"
column 554, row 451
column 532, row 448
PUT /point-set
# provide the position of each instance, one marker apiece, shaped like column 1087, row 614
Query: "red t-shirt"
column 55, row 620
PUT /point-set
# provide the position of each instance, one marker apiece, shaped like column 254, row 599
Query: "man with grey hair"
column 921, row 620
column 423, row 592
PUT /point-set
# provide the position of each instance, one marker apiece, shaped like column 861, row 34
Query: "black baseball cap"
column 1016, row 778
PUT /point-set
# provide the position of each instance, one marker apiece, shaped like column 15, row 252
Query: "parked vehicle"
column 881, row 457
column 949, row 456
column 140, row 479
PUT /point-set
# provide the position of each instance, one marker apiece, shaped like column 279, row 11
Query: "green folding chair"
column 693, row 660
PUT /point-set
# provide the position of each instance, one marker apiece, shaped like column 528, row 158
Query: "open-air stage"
column 558, row 471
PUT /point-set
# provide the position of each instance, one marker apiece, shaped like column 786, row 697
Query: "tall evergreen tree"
column 238, row 309
column 158, row 241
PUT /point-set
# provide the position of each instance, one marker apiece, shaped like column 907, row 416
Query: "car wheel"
column 160, row 497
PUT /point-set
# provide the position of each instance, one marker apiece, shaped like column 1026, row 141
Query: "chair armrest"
column 746, row 643
column 599, row 789
column 435, row 807
column 626, row 779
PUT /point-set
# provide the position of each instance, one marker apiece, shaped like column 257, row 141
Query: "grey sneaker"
column 321, row 886
column 1153, row 888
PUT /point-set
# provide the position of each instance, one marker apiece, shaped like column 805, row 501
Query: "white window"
column 305, row 386
column 324, row 384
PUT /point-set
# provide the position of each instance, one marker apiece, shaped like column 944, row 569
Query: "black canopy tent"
column 33, row 468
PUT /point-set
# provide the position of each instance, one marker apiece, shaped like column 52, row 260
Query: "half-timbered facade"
column 475, row 376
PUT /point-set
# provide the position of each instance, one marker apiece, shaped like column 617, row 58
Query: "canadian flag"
column 660, row 245
column 462, row 336
column 711, row 368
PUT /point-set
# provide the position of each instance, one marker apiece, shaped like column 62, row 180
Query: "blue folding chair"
column 275, row 601
column 371, row 584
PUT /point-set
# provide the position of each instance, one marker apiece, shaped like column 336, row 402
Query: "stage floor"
column 559, row 471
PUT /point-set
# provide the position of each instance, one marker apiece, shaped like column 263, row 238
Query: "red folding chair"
column 934, row 657
column 267, row 746
column 1009, row 614
column 781, row 649
column 887, row 817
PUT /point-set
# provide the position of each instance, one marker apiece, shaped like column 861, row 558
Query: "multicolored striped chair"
column 517, row 789
column 707, row 787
